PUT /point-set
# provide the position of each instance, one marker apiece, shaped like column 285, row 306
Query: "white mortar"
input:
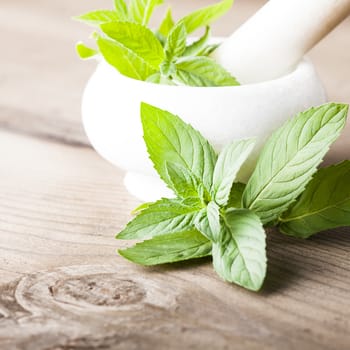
column 111, row 116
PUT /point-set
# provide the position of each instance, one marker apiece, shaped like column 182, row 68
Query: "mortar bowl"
column 111, row 117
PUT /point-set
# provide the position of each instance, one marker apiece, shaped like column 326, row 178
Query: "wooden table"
column 62, row 286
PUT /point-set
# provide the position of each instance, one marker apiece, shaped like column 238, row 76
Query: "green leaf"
column 121, row 9
column 98, row 17
column 85, row 52
column 290, row 158
column 236, row 194
column 207, row 221
column 240, row 254
column 137, row 39
column 158, row 78
column 169, row 139
column 141, row 10
column 206, row 15
column 197, row 46
column 124, row 60
column 162, row 217
column 207, row 50
column 229, row 162
column 169, row 248
column 184, row 182
column 324, row 204
column 175, row 44
column 202, row 71
column 167, row 24
column 141, row 207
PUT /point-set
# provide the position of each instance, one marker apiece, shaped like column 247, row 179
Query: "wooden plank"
column 63, row 286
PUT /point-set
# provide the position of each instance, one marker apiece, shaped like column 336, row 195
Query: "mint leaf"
column 124, row 60
column 240, row 254
column 236, row 194
column 207, row 50
column 229, row 162
column 207, row 221
column 167, row 24
column 158, row 78
column 290, row 158
column 141, row 11
column 162, row 217
column 324, row 204
column 175, row 44
column 121, row 9
column 98, row 17
column 169, row 139
column 202, row 71
column 197, row 46
column 85, row 52
column 137, row 39
column 141, row 207
column 206, row 15
column 169, row 248
column 184, row 182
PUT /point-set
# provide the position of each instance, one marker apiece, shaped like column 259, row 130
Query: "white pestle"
column 272, row 42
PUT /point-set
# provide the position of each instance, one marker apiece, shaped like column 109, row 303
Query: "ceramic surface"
column 111, row 116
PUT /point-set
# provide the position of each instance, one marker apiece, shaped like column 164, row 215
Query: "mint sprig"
column 214, row 214
column 161, row 56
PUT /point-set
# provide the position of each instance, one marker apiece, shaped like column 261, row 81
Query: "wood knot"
column 99, row 290
column 92, row 289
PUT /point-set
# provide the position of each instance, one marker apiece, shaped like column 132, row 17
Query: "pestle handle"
column 273, row 41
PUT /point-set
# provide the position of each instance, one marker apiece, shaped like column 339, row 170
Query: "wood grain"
column 62, row 285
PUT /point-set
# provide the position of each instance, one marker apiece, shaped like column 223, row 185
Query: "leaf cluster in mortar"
column 213, row 214
column 160, row 56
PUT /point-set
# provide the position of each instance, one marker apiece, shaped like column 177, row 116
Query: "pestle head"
column 272, row 42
